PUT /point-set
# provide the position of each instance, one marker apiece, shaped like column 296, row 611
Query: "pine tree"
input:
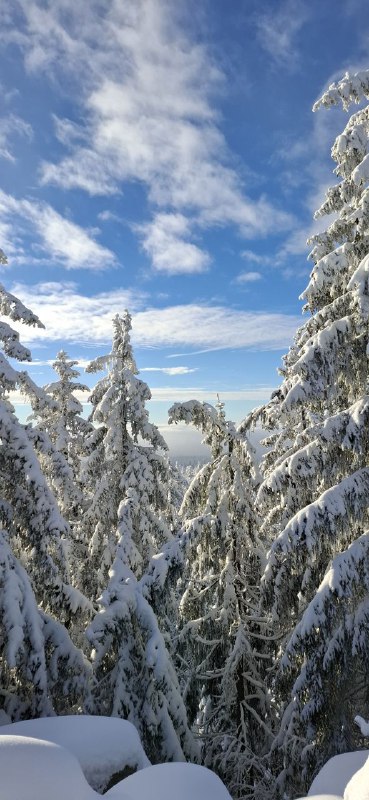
column 41, row 669
column 219, row 641
column 314, row 497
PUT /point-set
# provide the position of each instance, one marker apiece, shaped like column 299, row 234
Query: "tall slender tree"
column 127, row 522
column 63, row 422
column 125, row 459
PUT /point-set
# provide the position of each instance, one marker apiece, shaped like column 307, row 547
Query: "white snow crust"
column 358, row 787
column 322, row 797
column 31, row 769
column 36, row 769
column 103, row 746
column 168, row 781
column 336, row 774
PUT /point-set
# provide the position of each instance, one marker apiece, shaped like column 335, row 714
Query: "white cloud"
column 108, row 216
column 256, row 258
column 19, row 399
column 184, row 440
column 165, row 240
column 248, row 277
column 170, row 394
column 277, row 31
column 71, row 317
column 169, row 370
column 11, row 126
column 59, row 239
column 146, row 93
column 48, row 362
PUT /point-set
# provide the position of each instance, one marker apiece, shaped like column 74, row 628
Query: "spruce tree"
column 41, row 669
column 219, row 641
column 127, row 522
column 125, row 460
column 59, row 433
column 66, row 428
column 314, row 497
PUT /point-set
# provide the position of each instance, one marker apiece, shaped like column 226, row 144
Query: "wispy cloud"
column 11, row 126
column 165, row 241
column 248, row 277
column 278, row 29
column 167, row 394
column 120, row 57
column 69, row 316
column 48, row 362
column 72, row 317
column 59, row 239
column 256, row 258
column 169, row 370
column 108, row 216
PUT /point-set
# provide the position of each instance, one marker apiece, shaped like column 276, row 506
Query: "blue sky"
column 161, row 155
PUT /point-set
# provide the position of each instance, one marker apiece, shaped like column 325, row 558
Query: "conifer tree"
column 63, row 423
column 219, row 641
column 314, row 498
column 125, row 461
column 41, row 669
column 59, row 433
column 127, row 521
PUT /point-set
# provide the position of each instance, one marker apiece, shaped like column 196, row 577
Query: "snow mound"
column 34, row 770
column 104, row 746
column 320, row 797
column 358, row 787
column 167, row 781
column 336, row 773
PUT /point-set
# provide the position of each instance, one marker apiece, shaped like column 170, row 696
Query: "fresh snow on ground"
column 168, row 781
column 74, row 757
column 322, row 797
column 358, row 786
column 35, row 769
column 103, row 746
column 32, row 769
column 336, row 773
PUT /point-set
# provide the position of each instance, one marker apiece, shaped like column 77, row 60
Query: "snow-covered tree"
column 125, row 461
column 42, row 672
column 314, row 498
column 128, row 473
column 40, row 666
column 58, row 433
column 67, row 430
column 135, row 677
column 219, row 642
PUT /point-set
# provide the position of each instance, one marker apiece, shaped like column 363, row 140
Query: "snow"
column 76, row 756
column 103, row 746
column 31, row 769
column 168, row 781
column 322, row 797
column 358, row 786
column 36, row 769
column 336, row 774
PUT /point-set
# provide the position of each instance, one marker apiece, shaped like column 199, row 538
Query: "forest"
column 225, row 615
